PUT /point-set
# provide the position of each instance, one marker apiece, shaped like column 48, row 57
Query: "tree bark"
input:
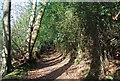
column 93, row 32
column 30, row 27
column 7, row 33
column 36, row 28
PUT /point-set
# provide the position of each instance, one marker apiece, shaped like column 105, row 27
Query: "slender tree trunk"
column 7, row 33
column 36, row 28
column 30, row 27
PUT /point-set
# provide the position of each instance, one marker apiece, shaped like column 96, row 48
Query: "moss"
column 13, row 77
column 18, row 73
column 24, row 73
column 13, row 73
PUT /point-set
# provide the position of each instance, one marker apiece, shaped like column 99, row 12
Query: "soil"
column 57, row 67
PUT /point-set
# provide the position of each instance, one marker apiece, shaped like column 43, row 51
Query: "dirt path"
column 56, row 66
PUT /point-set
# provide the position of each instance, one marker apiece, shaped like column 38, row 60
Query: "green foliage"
column 117, row 75
column 69, row 25
column 59, row 26
column 73, row 26
column 19, row 30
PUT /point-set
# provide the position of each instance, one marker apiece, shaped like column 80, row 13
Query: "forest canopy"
column 80, row 29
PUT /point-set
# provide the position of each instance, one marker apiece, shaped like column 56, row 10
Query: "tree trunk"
column 95, row 69
column 36, row 28
column 7, row 33
column 30, row 27
column 93, row 32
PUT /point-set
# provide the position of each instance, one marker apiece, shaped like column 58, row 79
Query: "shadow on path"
column 54, row 74
column 58, row 72
column 47, row 63
column 53, row 58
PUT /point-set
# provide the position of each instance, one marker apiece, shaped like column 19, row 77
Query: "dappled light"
column 60, row 41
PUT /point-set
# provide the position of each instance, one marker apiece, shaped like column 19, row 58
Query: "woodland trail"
column 57, row 67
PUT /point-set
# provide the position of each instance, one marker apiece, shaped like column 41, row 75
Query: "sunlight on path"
column 62, row 70
column 44, row 71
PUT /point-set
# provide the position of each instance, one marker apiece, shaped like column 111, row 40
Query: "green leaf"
column 109, row 77
column 108, row 14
